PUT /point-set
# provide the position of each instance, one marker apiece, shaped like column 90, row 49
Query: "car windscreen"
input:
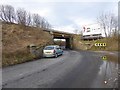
column 48, row 48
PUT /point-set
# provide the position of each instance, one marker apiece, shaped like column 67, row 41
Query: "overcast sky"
column 66, row 15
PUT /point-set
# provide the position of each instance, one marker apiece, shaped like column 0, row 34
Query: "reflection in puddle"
column 109, row 72
column 102, row 68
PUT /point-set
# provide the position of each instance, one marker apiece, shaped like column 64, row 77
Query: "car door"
column 61, row 50
column 58, row 49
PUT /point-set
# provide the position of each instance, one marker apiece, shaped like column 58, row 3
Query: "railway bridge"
column 62, row 35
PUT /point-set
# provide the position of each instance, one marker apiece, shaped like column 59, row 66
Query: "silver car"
column 52, row 51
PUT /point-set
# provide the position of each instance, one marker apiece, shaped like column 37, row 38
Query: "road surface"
column 74, row 69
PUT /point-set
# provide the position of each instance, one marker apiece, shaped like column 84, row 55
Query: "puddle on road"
column 110, row 64
column 112, row 58
column 109, row 73
column 102, row 68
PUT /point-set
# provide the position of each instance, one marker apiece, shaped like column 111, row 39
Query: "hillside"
column 16, row 40
column 111, row 44
column 78, row 44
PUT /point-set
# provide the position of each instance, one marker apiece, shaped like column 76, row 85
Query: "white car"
column 52, row 51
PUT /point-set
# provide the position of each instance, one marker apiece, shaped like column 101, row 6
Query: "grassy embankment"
column 111, row 46
column 15, row 42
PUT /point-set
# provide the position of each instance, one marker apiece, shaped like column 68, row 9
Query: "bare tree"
column 48, row 26
column 108, row 21
column 43, row 25
column 2, row 13
column 10, row 13
column 39, row 21
column 21, row 16
column 7, row 13
column 28, row 19
column 102, row 20
column 114, row 24
column 36, row 20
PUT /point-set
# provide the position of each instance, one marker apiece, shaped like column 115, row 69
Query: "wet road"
column 74, row 69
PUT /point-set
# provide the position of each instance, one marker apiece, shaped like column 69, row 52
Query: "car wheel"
column 56, row 55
